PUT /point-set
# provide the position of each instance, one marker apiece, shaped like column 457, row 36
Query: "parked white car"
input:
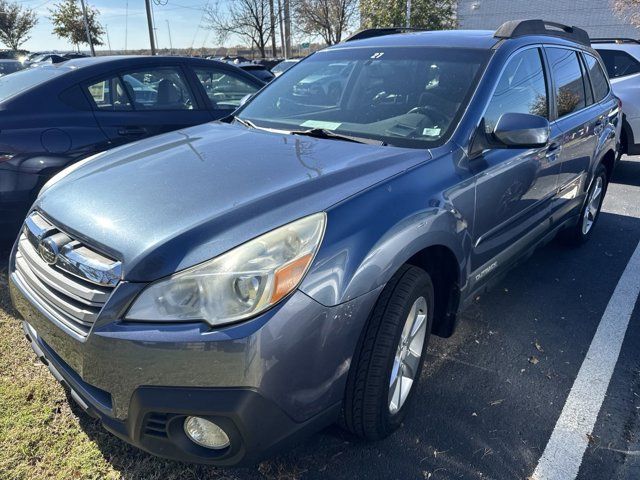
column 621, row 57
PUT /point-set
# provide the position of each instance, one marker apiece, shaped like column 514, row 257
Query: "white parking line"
column 563, row 454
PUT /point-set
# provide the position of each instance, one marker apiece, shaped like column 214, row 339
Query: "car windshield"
column 409, row 97
column 284, row 65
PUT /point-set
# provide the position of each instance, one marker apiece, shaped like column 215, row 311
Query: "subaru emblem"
column 48, row 250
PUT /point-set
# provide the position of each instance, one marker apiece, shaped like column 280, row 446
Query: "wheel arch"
column 608, row 160
column 442, row 265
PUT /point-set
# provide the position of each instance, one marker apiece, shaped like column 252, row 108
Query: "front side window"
column 619, row 63
column 599, row 81
column 521, row 89
column 409, row 97
column 224, row 89
column 569, row 83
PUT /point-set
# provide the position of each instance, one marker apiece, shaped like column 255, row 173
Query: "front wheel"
column 389, row 357
column 590, row 212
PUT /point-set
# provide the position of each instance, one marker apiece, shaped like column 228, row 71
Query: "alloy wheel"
column 593, row 206
column 408, row 354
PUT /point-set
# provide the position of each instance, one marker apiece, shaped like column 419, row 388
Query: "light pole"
column 106, row 28
column 86, row 27
column 408, row 13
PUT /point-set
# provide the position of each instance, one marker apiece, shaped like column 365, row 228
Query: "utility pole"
column 273, row 28
column 150, row 24
column 281, row 22
column 86, row 27
column 126, row 25
column 408, row 13
column 170, row 42
column 287, row 28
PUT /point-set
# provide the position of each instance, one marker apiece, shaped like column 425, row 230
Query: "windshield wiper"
column 246, row 123
column 328, row 134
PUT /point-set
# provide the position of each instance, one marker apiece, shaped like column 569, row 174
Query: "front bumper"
column 255, row 425
column 265, row 381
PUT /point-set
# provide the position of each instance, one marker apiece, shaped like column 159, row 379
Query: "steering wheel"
column 433, row 113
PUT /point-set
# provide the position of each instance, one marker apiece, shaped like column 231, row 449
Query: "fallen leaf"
column 538, row 346
column 474, row 414
column 496, row 402
column 592, row 438
column 533, row 360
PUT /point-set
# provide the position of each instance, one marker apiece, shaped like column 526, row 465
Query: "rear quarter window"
column 599, row 81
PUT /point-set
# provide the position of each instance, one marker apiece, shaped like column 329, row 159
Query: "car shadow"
column 489, row 396
column 627, row 172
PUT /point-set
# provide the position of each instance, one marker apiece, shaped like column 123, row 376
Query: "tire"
column 590, row 212
column 367, row 407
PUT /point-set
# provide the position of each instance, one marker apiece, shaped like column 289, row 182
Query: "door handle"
column 553, row 150
column 598, row 127
column 132, row 131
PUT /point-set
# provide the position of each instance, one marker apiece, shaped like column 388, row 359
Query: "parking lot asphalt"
column 491, row 395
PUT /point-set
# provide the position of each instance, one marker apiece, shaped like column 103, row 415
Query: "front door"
column 514, row 187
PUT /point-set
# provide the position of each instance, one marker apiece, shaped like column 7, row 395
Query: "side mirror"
column 245, row 99
column 522, row 130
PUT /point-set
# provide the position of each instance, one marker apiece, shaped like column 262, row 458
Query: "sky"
column 185, row 18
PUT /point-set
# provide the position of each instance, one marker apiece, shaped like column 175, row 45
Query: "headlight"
column 238, row 284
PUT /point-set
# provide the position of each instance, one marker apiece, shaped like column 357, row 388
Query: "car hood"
column 169, row 202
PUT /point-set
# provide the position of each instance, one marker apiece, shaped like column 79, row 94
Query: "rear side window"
column 163, row 88
column 569, row 83
column 521, row 89
column 619, row 63
column 599, row 81
column 110, row 94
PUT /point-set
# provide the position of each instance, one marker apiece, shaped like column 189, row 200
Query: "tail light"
column 5, row 157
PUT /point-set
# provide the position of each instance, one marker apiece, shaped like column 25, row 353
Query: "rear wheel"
column 590, row 212
column 390, row 354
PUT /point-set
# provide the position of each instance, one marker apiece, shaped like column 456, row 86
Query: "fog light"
column 205, row 433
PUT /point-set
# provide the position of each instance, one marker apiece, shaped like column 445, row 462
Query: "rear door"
column 515, row 186
column 138, row 103
column 578, row 117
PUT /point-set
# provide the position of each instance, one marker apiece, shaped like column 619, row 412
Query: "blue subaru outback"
column 213, row 293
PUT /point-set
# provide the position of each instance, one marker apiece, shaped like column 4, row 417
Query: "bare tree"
column 329, row 19
column 629, row 9
column 247, row 19
column 16, row 23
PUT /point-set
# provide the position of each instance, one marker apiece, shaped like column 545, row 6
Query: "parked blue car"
column 59, row 113
column 213, row 293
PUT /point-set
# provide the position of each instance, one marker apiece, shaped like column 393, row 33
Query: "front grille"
column 69, row 280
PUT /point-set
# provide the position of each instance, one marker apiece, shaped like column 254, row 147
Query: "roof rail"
column 379, row 32
column 614, row 40
column 519, row 28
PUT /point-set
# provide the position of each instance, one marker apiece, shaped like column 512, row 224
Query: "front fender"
column 370, row 236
